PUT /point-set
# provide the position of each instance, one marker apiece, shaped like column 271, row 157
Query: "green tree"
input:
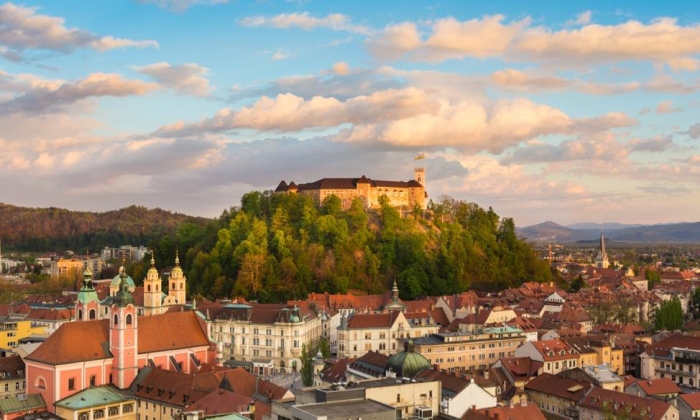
column 669, row 316
column 307, row 366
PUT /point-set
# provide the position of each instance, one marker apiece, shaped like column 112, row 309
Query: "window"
column 129, row 319
column 98, row 414
column 113, row 411
column 116, row 320
column 83, row 416
column 93, row 380
column 7, row 387
column 129, row 408
column 17, row 388
column 71, row 384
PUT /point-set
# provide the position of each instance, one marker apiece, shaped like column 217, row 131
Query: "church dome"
column 407, row 363
column 117, row 279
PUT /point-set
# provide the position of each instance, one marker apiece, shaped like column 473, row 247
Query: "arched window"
column 149, row 287
column 116, row 320
column 92, row 314
column 128, row 319
column 40, row 383
column 172, row 286
column 80, row 314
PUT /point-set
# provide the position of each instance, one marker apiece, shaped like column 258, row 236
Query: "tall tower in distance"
column 601, row 260
column 420, row 176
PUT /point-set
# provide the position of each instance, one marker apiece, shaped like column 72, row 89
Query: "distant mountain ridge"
column 46, row 229
column 553, row 232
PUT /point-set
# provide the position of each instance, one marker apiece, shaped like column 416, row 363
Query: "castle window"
column 128, row 319
column 116, row 320
column 93, row 314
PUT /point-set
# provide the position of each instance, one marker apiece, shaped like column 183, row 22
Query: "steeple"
column 601, row 260
column 178, row 282
column 123, row 336
column 87, row 304
column 152, row 294
column 123, row 296
column 395, row 292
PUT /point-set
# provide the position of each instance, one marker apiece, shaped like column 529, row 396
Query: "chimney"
column 523, row 401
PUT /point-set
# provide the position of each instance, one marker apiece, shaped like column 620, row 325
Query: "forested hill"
column 46, row 229
column 277, row 247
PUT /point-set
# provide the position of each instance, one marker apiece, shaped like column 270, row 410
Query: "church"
column 401, row 194
column 95, row 352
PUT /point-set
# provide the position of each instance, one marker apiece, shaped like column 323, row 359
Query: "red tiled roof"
column 566, row 388
column 604, row 400
column 362, row 321
column 556, row 349
column 517, row 412
column 693, row 400
column 663, row 347
column 662, row 386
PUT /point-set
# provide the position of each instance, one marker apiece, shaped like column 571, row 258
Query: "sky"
column 582, row 111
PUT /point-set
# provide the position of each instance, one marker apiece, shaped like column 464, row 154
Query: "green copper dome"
column 407, row 363
column 117, row 279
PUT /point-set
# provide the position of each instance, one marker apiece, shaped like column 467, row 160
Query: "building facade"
column 401, row 194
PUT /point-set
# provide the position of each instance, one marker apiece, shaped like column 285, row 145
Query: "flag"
column 420, row 156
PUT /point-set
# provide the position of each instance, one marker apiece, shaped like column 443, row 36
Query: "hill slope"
column 674, row 233
column 43, row 229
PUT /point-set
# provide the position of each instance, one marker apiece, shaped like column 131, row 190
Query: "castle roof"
column 351, row 184
column 89, row 340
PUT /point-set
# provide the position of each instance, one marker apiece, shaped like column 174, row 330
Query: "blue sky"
column 571, row 112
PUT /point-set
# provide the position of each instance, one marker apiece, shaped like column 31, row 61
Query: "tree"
column 669, row 316
column 325, row 347
column 307, row 367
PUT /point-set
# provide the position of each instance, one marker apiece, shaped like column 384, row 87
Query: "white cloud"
column 334, row 21
column 186, row 78
column 22, row 29
column 666, row 107
column 601, row 146
column 280, row 54
column 289, row 113
column 56, row 97
column 661, row 41
column 450, row 39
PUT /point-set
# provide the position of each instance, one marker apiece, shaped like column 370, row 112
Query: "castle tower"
column 123, row 336
column 178, row 282
column 87, row 305
column 419, row 176
column 152, row 294
column 601, row 260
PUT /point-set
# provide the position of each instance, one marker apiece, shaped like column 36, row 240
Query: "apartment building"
column 676, row 357
column 465, row 350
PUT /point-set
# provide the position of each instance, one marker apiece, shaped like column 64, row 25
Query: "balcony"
column 677, row 372
column 687, row 360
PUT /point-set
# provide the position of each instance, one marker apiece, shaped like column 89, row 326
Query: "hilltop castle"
column 402, row 194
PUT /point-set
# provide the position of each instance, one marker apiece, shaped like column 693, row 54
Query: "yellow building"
column 67, row 269
column 12, row 330
column 98, row 403
column 469, row 350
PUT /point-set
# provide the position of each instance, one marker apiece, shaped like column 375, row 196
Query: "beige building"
column 556, row 355
column 379, row 332
column 558, row 395
column 676, row 357
column 409, row 398
column 269, row 336
column 12, row 376
column 604, row 403
column 402, row 194
column 469, row 350
column 97, row 403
